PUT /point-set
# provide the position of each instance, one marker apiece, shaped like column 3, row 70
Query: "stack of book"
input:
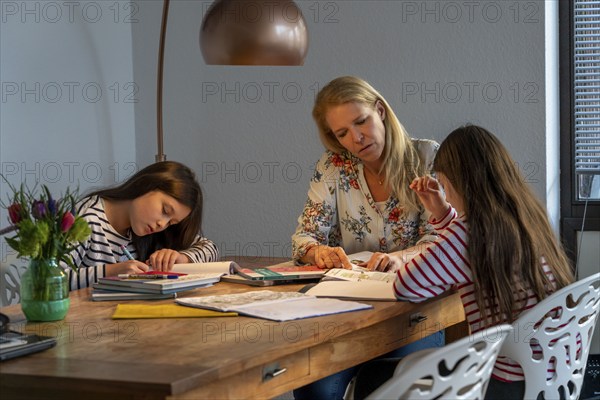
column 277, row 274
column 159, row 284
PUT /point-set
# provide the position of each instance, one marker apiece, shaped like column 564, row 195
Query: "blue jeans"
column 505, row 390
column 334, row 386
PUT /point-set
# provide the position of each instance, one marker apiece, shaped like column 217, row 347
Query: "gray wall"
column 66, row 110
column 67, row 113
column 248, row 133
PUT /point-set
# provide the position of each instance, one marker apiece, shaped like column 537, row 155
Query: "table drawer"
column 257, row 382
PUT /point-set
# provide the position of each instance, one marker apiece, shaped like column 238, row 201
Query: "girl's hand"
column 164, row 259
column 126, row 267
column 385, row 262
column 328, row 257
column 429, row 191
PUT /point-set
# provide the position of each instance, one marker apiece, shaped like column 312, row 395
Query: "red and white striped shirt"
column 444, row 265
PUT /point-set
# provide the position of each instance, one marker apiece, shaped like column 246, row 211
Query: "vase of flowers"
column 46, row 230
column 44, row 291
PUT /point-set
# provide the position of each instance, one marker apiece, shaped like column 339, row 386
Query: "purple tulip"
column 14, row 213
column 67, row 221
column 38, row 209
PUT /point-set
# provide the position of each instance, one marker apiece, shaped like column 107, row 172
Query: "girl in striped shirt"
column 495, row 246
column 152, row 219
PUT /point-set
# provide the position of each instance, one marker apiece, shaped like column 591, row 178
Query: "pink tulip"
column 67, row 221
column 14, row 213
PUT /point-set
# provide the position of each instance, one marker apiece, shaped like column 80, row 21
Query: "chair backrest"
column 459, row 370
column 11, row 270
column 551, row 341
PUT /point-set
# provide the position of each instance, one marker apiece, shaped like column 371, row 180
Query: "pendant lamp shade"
column 254, row 32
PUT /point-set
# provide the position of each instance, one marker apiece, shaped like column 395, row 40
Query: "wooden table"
column 208, row 358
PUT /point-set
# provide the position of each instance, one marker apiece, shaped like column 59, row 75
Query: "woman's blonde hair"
column 509, row 231
column 401, row 162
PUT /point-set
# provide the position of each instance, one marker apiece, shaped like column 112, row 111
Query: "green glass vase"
column 44, row 291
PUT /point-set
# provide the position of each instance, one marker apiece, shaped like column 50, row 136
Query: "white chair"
column 459, row 370
column 557, row 332
column 11, row 270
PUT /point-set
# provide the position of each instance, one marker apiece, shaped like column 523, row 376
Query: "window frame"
column 572, row 209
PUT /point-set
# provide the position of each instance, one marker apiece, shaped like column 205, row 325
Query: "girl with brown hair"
column 495, row 246
column 152, row 219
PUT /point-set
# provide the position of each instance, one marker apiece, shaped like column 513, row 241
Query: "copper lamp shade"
column 241, row 32
column 254, row 32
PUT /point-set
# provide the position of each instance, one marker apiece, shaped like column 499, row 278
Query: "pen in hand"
column 127, row 253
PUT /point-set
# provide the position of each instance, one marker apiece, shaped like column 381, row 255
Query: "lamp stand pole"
column 160, row 156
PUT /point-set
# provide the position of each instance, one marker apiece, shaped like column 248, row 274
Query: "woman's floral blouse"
column 340, row 211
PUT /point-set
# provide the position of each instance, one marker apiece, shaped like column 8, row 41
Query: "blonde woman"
column 359, row 197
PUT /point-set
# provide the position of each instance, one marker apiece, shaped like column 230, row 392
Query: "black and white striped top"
column 104, row 246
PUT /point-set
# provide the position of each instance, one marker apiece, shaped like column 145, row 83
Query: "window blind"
column 587, row 86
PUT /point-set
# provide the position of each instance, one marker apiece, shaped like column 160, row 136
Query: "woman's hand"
column 126, row 267
column 429, row 191
column 327, row 257
column 385, row 262
column 164, row 259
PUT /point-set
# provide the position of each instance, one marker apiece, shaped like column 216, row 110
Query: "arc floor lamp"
column 241, row 32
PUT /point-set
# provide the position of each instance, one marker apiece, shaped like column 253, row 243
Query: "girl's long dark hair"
column 509, row 231
column 175, row 180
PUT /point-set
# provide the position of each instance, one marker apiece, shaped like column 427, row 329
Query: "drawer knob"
column 416, row 318
column 272, row 371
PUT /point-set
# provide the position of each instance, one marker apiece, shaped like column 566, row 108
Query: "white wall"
column 66, row 117
column 440, row 64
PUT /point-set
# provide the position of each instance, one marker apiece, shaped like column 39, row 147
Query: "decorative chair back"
column 459, row 370
column 11, row 270
column 551, row 341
